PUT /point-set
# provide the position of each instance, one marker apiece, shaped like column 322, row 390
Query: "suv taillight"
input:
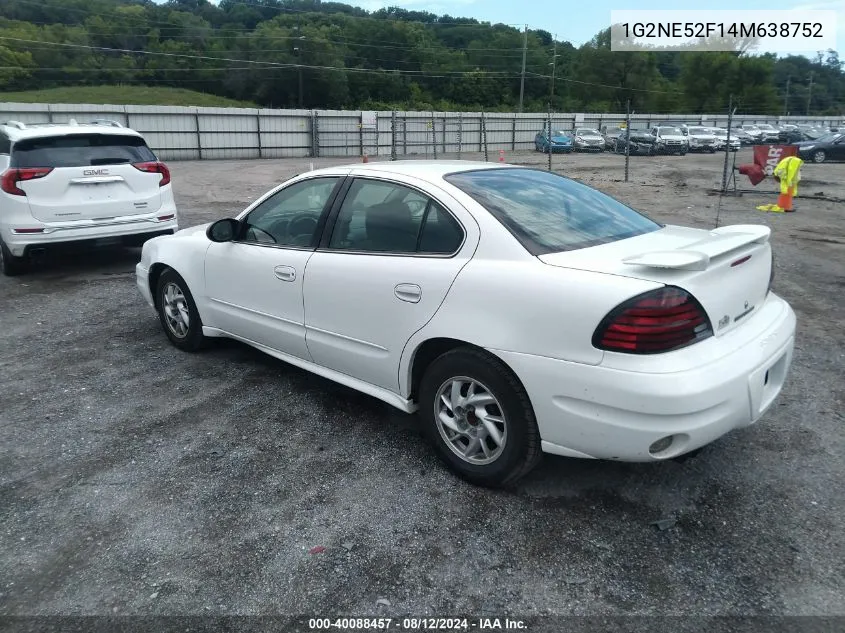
column 155, row 167
column 658, row 321
column 12, row 176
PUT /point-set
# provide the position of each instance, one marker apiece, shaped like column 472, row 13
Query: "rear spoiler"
column 697, row 256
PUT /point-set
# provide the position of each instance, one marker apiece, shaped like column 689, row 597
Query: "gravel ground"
column 137, row 479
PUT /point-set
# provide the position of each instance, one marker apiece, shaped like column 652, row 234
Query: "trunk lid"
column 727, row 270
column 92, row 177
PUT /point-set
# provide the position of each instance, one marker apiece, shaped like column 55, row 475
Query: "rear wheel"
column 479, row 418
column 10, row 264
column 819, row 156
column 178, row 313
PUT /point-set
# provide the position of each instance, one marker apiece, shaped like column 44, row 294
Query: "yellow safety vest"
column 788, row 171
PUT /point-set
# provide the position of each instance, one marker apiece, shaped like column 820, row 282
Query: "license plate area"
column 766, row 383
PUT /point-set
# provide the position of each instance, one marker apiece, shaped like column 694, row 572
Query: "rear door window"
column 80, row 150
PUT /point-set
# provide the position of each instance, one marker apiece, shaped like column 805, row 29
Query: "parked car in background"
column 822, row 149
column 721, row 135
column 701, row 139
column 770, row 134
column 560, row 142
column 610, row 134
column 89, row 184
column 588, row 140
column 813, row 133
column 669, row 140
column 753, row 132
column 642, row 143
column 447, row 289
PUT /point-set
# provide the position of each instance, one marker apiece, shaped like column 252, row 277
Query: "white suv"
column 94, row 183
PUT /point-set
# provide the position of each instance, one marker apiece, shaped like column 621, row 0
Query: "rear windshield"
column 79, row 150
column 548, row 213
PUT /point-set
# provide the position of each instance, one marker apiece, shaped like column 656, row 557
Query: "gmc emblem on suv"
column 95, row 172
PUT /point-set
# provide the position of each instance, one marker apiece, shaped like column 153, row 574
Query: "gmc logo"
column 95, row 172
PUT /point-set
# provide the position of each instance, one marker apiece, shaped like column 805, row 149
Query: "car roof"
column 17, row 131
column 425, row 169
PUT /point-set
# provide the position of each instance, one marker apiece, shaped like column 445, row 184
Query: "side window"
column 384, row 217
column 5, row 144
column 291, row 216
column 440, row 231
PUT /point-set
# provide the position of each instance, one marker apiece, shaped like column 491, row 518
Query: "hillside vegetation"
column 262, row 51
column 124, row 95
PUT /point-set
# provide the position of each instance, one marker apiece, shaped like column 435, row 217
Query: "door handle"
column 285, row 273
column 411, row 293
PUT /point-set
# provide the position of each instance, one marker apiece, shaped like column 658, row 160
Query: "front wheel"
column 178, row 312
column 819, row 156
column 479, row 418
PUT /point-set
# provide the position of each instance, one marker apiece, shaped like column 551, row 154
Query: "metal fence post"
column 433, row 137
column 393, row 135
column 361, row 134
column 484, row 134
column 199, row 137
column 460, row 131
column 513, row 133
column 627, row 136
column 549, row 137
column 727, row 149
column 258, row 127
column 443, row 135
column 315, row 133
column 50, row 114
column 404, row 135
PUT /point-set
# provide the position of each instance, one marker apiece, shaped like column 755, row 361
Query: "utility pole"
column 553, row 64
column 786, row 98
column 297, row 51
column 810, row 93
column 522, row 77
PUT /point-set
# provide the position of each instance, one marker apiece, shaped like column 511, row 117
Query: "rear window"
column 548, row 213
column 79, row 150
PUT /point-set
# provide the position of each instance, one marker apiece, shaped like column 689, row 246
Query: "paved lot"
column 137, row 479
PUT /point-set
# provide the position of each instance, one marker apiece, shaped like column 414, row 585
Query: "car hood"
column 561, row 139
column 193, row 230
column 590, row 137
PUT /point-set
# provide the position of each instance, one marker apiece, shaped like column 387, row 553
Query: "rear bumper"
column 86, row 232
column 606, row 413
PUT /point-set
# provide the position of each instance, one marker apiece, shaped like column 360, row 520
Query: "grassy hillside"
column 123, row 95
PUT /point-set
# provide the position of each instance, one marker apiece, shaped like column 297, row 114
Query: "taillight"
column 155, row 167
column 12, row 176
column 658, row 321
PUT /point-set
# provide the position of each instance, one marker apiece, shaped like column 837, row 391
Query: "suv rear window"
column 548, row 213
column 78, row 150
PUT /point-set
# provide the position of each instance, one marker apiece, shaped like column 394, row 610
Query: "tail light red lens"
column 658, row 321
column 155, row 167
column 12, row 176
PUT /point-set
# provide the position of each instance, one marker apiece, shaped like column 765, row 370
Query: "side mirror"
column 223, row 230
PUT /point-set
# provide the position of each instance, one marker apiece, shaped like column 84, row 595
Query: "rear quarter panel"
column 527, row 307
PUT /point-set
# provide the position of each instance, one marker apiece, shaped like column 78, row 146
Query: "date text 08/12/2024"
column 417, row 624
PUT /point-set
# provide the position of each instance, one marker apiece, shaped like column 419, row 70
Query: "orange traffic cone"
column 501, row 156
column 365, row 159
column 785, row 200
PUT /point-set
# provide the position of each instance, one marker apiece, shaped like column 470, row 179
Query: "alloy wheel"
column 470, row 420
column 177, row 315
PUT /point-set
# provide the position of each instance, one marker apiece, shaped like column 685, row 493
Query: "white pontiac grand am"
column 517, row 311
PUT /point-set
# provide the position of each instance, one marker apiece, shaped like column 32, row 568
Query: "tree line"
column 313, row 54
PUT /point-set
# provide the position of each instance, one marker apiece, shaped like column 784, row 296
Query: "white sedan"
column 517, row 311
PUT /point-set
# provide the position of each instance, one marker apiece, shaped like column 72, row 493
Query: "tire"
column 819, row 156
column 10, row 264
column 510, row 413
column 174, row 303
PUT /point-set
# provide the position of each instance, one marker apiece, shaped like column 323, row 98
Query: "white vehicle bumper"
column 142, row 280
column 608, row 413
column 60, row 233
